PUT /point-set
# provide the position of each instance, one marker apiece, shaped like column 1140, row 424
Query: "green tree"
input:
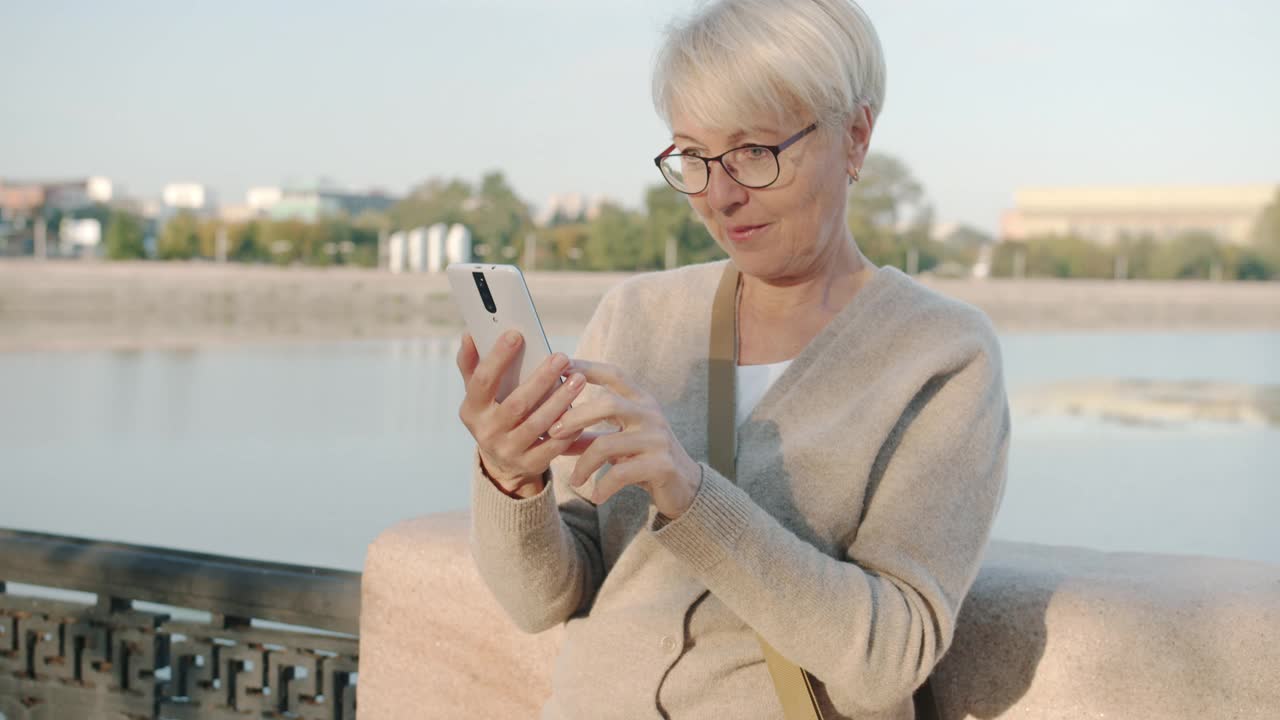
column 497, row 217
column 96, row 211
column 959, row 249
column 207, row 232
column 1266, row 236
column 292, row 241
column 670, row 218
column 1137, row 253
column 126, row 236
column 616, row 241
column 333, row 235
column 1068, row 256
column 1189, row 255
column 431, row 202
column 889, row 214
column 1253, row 265
column 180, row 238
column 1003, row 258
column 967, row 236
column 562, row 247
column 245, row 243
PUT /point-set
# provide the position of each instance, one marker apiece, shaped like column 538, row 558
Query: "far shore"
column 75, row 305
column 1156, row 402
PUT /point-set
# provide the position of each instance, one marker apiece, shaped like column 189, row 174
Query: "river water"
column 303, row 453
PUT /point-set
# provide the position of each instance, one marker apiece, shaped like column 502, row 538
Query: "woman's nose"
column 723, row 192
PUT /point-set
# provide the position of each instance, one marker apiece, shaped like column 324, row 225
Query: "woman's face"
column 786, row 231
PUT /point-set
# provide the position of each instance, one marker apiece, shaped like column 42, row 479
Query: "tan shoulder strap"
column 722, row 368
column 793, row 685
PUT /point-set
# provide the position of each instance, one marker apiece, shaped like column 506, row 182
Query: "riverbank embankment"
column 129, row 305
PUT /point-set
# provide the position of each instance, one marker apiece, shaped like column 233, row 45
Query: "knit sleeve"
column 872, row 624
column 540, row 556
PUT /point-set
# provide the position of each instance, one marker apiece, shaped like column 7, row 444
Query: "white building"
column 75, row 194
column 84, row 233
column 457, row 245
column 236, row 213
column 570, row 207
column 1107, row 214
column 435, row 260
column 415, row 242
column 397, row 251
column 262, row 199
column 187, row 196
column 428, row 249
column 99, row 189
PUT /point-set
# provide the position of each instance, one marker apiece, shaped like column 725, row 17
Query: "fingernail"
column 512, row 337
column 556, row 429
column 575, row 381
column 559, row 361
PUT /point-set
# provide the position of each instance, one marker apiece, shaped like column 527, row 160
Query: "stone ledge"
column 1046, row 633
column 1057, row 632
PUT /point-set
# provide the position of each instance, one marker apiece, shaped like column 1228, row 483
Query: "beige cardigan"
column 868, row 479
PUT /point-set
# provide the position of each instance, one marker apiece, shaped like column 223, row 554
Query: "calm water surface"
column 304, row 453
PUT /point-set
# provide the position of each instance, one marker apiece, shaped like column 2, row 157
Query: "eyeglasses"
column 751, row 166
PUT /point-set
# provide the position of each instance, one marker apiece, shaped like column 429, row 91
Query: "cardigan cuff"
column 493, row 508
column 708, row 531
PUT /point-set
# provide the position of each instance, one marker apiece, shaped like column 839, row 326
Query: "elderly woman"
column 871, row 419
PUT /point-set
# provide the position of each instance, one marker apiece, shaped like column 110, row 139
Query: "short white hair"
column 737, row 62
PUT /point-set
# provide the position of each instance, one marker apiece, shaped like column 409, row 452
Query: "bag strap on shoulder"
column 793, row 685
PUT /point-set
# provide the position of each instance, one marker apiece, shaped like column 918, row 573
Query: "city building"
column 261, row 199
column 237, row 213
column 192, row 197
column 20, row 198
column 1106, row 214
column 569, row 208
column 147, row 207
column 79, row 236
column 76, row 194
column 310, row 205
column 20, row 201
column 428, row 249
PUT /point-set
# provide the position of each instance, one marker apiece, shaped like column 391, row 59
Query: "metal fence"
column 235, row 639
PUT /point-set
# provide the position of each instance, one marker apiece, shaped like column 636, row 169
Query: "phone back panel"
column 515, row 310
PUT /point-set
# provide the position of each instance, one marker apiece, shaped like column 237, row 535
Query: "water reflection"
column 304, row 453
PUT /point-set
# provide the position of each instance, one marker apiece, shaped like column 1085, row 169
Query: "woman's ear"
column 858, row 127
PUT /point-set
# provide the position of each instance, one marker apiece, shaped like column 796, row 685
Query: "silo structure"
column 417, row 242
column 458, row 245
column 435, row 247
column 396, row 252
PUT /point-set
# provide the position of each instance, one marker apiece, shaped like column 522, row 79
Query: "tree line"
column 889, row 214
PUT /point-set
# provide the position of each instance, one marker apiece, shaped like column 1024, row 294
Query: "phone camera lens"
column 486, row 297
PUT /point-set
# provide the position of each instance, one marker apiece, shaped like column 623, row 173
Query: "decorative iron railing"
column 279, row 640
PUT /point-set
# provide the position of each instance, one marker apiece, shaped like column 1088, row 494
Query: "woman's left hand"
column 644, row 452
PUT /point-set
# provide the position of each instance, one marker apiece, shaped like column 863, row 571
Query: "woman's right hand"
column 511, row 435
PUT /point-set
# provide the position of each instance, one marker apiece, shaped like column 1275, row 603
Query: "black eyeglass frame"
column 706, row 161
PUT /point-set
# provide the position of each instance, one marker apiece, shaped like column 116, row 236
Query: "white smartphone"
column 494, row 299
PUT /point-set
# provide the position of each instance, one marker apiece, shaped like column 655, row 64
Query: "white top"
column 753, row 381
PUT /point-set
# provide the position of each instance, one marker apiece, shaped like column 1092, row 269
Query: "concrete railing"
column 1046, row 633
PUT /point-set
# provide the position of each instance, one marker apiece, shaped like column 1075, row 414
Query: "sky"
column 983, row 97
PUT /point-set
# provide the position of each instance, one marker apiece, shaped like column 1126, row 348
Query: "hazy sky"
column 983, row 97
